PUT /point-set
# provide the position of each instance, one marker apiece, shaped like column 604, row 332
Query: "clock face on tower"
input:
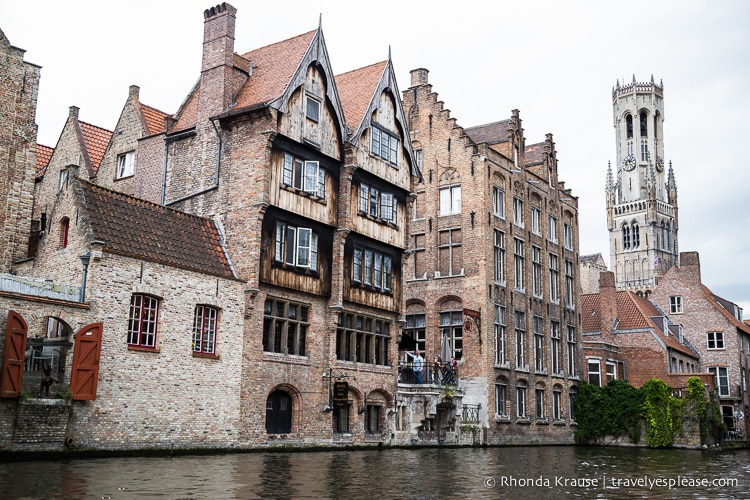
column 659, row 163
column 629, row 162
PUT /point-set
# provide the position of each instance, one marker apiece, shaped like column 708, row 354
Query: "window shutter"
column 85, row 373
column 14, row 357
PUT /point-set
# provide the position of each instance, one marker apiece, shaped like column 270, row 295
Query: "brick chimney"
column 690, row 266
column 607, row 300
column 217, row 60
column 419, row 77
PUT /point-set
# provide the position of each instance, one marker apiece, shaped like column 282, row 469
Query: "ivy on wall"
column 619, row 408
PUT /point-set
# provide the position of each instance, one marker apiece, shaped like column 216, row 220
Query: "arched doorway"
column 279, row 413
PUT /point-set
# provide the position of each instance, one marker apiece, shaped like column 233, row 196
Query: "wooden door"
column 14, row 357
column 85, row 373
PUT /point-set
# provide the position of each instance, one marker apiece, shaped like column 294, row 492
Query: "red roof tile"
column 272, row 69
column 96, row 141
column 153, row 118
column 43, row 156
column 356, row 89
column 143, row 230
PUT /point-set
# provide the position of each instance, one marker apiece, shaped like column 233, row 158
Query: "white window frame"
column 675, row 304
column 521, row 402
column 450, row 200
column 554, row 276
column 304, row 250
column 598, row 373
column 721, row 373
column 498, row 202
column 307, row 176
column 499, row 247
column 377, row 203
column 553, row 229
column 518, row 211
column 536, row 220
column 126, row 165
column 568, row 236
column 715, row 341
column 501, row 398
column 372, row 268
column 536, row 271
column 384, row 144
column 518, row 264
column 500, row 344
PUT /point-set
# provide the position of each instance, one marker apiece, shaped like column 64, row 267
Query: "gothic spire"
column 610, row 184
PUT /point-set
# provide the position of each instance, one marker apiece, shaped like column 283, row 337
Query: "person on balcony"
column 418, row 364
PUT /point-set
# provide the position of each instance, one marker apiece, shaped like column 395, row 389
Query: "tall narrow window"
column 499, row 256
column 499, row 335
column 540, row 410
column 538, row 345
column 521, row 402
column 501, row 400
column 644, row 124
column 555, row 348
column 520, row 341
column 204, row 329
column 636, row 235
column 553, row 229
column 498, row 202
column 571, row 351
column 626, row 237
column 722, row 379
column 64, row 229
column 451, row 327
column 556, row 404
column 568, row 235
column 554, row 274
column 420, row 263
column 595, row 372
column 536, row 274
column 629, row 126
column 313, row 109
column 518, row 259
column 415, row 328
column 518, row 211
column 536, row 220
column 569, row 284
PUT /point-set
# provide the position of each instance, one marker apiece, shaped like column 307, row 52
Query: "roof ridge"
column 246, row 54
column 384, row 61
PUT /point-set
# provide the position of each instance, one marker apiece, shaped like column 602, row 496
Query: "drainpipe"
column 85, row 260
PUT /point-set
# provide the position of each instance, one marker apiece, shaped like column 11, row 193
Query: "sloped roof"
column 43, row 156
column 633, row 312
column 272, row 69
column 490, row 133
column 534, row 154
column 356, row 89
column 153, row 119
column 95, row 140
column 594, row 258
column 716, row 301
column 140, row 229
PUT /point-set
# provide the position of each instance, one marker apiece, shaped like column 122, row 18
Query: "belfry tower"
column 641, row 193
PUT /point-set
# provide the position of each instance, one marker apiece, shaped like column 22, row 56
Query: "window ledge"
column 523, row 421
column 524, row 368
column 503, row 366
column 542, row 421
column 206, row 355
column 502, row 419
column 541, row 372
column 558, row 421
column 140, row 348
column 124, row 177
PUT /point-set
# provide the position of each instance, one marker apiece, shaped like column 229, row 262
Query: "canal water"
column 432, row 473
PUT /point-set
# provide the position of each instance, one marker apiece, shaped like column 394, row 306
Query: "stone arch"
column 294, row 413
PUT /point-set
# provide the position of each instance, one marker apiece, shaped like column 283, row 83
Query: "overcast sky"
column 555, row 61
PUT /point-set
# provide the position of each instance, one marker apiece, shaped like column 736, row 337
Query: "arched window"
column 636, row 235
column 279, row 413
column 64, row 227
column 644, row 124
column 629, row 126
column 625, row 237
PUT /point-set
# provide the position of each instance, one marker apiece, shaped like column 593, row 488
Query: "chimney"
column 133, row 91
column 419, row 77
column 607, row 300
column 73, row 112
column 218, row 59
column 690, row 265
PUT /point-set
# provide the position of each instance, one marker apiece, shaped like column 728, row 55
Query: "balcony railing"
column 429, row 374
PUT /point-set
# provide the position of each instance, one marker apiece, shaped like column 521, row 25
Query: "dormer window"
column 125, row 165
column 313, row 109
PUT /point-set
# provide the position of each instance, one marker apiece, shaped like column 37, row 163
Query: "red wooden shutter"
column 85, row 374
column 14, row 357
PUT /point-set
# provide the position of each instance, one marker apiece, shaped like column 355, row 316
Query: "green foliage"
column 697, row 399
column 661, row 412
column 613, row 410
column 619, row 408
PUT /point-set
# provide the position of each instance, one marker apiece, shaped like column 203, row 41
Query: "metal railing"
column 429, row 374
column 470, row 413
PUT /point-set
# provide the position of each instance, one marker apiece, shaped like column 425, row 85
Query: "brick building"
column 18, row 99
column 715, row 327
column 626, row 337
column 492, row 273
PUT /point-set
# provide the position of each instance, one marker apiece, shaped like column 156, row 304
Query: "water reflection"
column 434, row 473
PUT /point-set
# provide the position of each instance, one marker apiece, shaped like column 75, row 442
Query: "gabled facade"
column 492, row 273
column 626, row 337
column 591, row 267
column 715, row 327
column 314, row 218
column 128, row 166
column 18, row 98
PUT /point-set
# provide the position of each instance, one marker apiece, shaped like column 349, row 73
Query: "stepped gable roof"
column 153, row 119
column 272, row 68
column 140, row 229
column 95, row 142
column 43, row 156
column 357, row 89
column 719, row 303
column 633, row 313
column 490, row 133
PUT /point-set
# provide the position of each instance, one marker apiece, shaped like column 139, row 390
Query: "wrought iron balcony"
column 430, row 374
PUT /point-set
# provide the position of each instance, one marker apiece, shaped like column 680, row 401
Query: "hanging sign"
column 340, row 394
